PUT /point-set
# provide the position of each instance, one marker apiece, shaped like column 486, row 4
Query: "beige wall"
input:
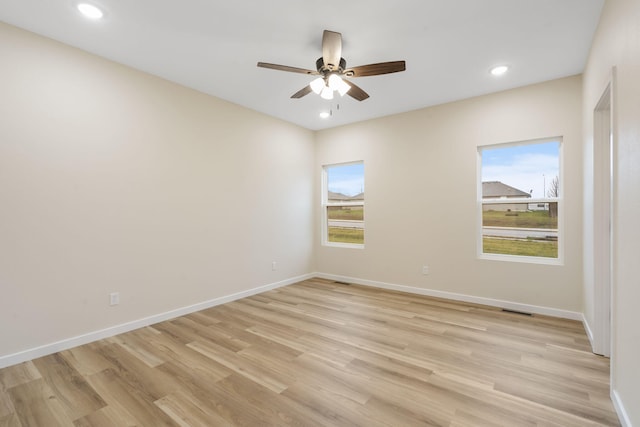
column 421, row 191
column 617, row 43
column 114, row 180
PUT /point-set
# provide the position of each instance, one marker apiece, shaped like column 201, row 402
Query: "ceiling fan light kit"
column 332, row 68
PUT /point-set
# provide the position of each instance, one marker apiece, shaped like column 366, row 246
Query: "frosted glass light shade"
column 326, row 93
column 336, row 83
column 343, row 88
column 317, row 85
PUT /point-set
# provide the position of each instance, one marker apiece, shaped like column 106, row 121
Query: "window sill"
column 521, row 259
column 344, row 245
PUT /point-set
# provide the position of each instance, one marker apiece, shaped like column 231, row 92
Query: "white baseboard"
column 587, row 329
column 625, row 421
column 33, row 353
column 509, row 305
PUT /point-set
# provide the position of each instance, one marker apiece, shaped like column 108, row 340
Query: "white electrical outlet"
column 274, row 266
column 114, row 298
column 425, row 269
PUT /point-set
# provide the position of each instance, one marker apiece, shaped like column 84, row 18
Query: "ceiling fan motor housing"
column 324, row 69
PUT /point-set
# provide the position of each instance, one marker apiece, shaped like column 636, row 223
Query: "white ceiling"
column 213, row 46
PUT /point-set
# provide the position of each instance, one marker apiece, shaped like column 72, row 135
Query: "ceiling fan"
column 332, row 67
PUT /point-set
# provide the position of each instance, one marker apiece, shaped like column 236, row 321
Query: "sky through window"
column 346, row 179
column 529, row 168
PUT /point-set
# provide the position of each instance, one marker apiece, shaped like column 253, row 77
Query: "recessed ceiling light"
column 90, row 11
column 324, row 115
column 499, row 70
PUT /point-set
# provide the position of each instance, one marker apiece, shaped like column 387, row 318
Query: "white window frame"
column 325, row 204
column 559, row 200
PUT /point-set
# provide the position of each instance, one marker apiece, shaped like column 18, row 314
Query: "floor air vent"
column 341, row 283
column 522, row 313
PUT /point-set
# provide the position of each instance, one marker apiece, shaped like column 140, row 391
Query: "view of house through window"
column 343, row 200
column 520, row 198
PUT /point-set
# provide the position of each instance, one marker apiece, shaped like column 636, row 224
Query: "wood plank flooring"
column 319, row 353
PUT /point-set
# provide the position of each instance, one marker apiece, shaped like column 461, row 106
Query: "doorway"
column 603, row 222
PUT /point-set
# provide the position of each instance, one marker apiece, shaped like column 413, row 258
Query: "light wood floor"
column 319, row 353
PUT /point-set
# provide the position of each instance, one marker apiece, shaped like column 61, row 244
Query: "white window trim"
column 325, row 204
column 560, row 200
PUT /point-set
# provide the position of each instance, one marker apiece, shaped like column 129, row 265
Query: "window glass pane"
column 345, row 224
column 345, row 197
column 345, row 183
column 520, row 229
column 346, row 213
column 529, row 171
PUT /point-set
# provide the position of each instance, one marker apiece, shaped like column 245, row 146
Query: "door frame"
column 603, row 219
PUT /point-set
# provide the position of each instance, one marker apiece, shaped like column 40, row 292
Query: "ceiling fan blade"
column 376, row 69
column 302, row 92
column 331, row 49
column 286, row 68
column 356, row 92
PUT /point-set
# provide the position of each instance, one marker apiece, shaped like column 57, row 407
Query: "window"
column 520, row 201
column 343, row 204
